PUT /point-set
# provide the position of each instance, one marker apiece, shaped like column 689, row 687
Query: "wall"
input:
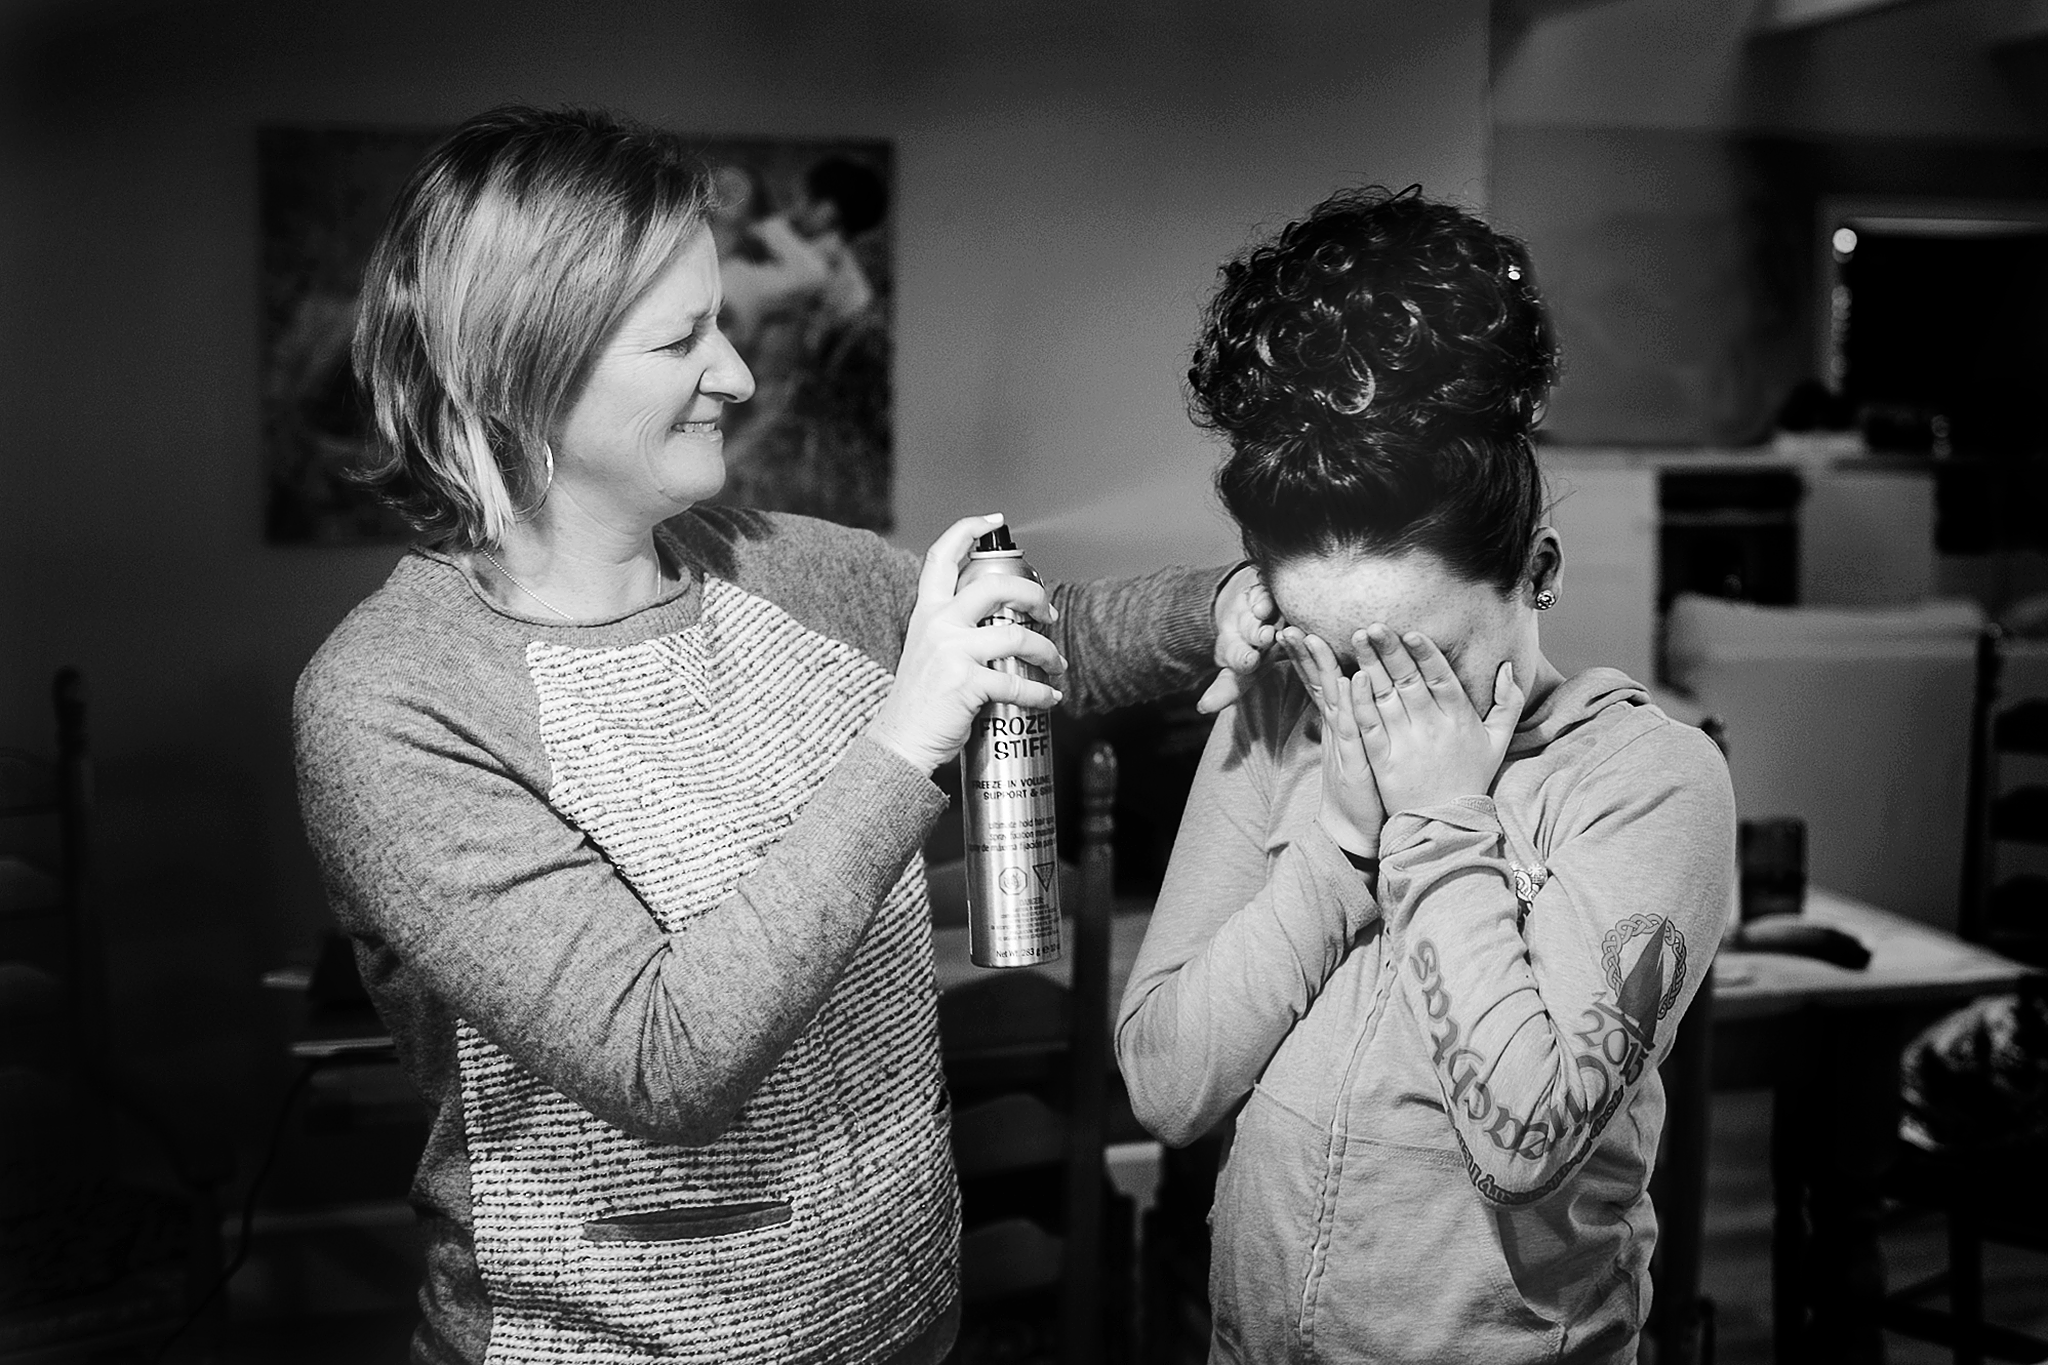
column 1666, row 165
column 1070, row 176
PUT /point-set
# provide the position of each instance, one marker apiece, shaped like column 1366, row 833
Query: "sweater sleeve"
column 1239, row 945
column 1125, row 639
column 433, row 845
column 1132, row 639
column 1546, row 992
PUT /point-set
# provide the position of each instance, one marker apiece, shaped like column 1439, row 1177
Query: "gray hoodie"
column 1446, row 1094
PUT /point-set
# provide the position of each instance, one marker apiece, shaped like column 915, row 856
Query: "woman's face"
column 1337, row 595
column 642, row 440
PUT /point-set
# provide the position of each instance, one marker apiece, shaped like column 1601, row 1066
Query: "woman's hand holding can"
column 944, row 675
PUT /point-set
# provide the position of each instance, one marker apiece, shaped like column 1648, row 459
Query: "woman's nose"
column 727, row 376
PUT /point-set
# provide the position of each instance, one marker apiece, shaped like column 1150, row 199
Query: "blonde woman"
column 621, row 796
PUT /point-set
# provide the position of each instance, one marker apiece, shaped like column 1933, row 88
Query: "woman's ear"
column 1546, row 563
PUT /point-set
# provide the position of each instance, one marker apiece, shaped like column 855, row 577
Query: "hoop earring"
column 547, row 484
column 1545, row 600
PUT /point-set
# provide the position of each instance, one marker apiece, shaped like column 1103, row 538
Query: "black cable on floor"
column 248, row 1226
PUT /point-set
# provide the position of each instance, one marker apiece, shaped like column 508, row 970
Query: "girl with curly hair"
column 1435, row 910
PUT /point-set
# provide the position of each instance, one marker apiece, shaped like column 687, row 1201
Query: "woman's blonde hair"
column 511, row 254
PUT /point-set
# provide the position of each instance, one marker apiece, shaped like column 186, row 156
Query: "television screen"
column 1941, row 325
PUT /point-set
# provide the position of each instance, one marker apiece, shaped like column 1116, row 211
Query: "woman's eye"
column 683, row 345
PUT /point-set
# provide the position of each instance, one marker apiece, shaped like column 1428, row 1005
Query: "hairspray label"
column 1006, row 786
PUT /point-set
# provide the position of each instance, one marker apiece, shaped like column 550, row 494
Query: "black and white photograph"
column 905, row 683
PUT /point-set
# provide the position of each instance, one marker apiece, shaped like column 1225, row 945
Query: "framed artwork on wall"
column 804, row 234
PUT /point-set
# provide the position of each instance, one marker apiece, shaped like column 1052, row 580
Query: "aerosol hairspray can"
column 1013, row 888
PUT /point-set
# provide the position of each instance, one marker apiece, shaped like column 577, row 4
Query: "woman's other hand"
column 1352, row 811
column 943, row 676
column 1425, row 741
column 1247, row 622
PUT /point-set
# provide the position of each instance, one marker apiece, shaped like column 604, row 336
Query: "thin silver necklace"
column 660, row 583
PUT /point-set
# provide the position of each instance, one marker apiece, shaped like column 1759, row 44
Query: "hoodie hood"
column 1571, row 704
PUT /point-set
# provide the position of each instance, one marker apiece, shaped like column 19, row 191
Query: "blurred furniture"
column 49, row 972
column 1985, row 1194
column 109, row 1235
column 2002, row 907
column 1867, row 532
column 1855, row 720
column 1028, row 1067
column 1995, row 1195
column 1825, row 1040
column 1820, row 522
column 1729, row 532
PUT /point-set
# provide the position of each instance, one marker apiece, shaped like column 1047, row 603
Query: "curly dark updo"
column 1378, row 369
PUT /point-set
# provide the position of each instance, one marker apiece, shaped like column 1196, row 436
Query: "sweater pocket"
column 1417, row 1270
column 690, row 1223
column 711, row 1283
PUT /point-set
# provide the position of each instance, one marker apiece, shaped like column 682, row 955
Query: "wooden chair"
column 1027, row 1062
column 2001, row 909
column 1998, row 1195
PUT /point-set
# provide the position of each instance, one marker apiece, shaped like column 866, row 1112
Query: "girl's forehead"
column 1397, row 589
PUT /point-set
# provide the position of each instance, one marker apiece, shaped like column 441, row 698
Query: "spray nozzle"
column 995, row 542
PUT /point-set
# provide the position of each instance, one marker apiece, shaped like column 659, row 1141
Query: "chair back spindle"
column 1081, row 1282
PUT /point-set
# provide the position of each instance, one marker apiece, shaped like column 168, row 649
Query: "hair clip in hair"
column 1514, row 272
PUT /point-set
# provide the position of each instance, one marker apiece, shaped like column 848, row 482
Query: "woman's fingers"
column 941, row 571
column 1019, row 690
column 1009, row 640
column 1437, row 674
column 984, row 597
column 1246, row 621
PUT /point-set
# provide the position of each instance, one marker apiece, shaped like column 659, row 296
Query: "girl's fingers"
column 1506, row 712
column 1372, row 729
column 1393, row 707
column 941, row 570
column 1437, row 674
column 1291, row 643
column 1335, row 692
column 1393, row 656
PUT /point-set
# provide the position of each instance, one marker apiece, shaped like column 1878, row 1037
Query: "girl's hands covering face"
column 1419, row 730
column 1352, row 811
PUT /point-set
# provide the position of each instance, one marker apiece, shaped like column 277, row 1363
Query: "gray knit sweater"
column 642, row 906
